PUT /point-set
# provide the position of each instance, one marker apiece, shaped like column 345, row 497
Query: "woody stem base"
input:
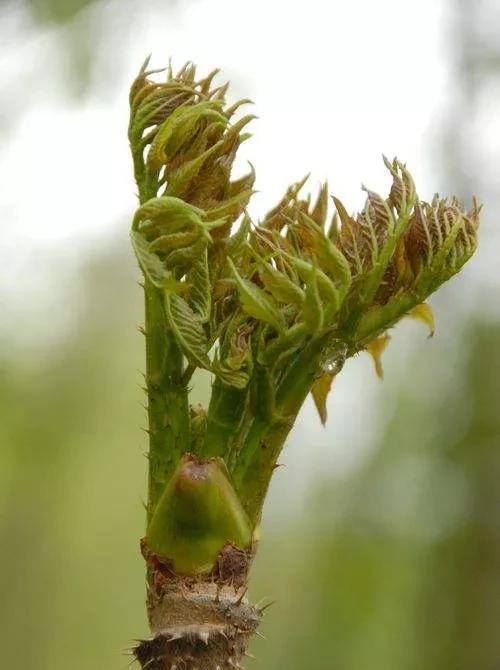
column 199, row 623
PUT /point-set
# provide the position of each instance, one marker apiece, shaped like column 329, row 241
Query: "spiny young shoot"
column 272, row 309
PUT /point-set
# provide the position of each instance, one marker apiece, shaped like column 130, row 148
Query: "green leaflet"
column 320, row 208
column 378, row 214
column 167, row 211
column 239, row 356
column 177, row 129
column 339, row 265
column 326, row 288
column 233, row 362
column 244, row 183
column 149, row 262
column 232, row 377
column 188, row 330
column 232, row 207
column 185, row 256
column 280, row 286
column 167, row 243
column 344, row 216
column 403, row 193
column 436, row 272
column 235, row 128
column 283, row 345
column 332, row 260
column 312, row 310
column 177, row 228
column 154, row 104
column 256, row 302
column 373, row 278
column 234, row 137
column 213, row 224
column 236, row 243
column 230, row 111
column 183, row 175
column 200, row 142
column 200, row 295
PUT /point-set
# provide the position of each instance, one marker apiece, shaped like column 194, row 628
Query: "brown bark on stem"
column 198, row 623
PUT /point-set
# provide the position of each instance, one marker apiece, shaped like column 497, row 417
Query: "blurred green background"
column 381, row 541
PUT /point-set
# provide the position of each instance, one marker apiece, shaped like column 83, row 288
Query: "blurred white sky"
column 334, row 83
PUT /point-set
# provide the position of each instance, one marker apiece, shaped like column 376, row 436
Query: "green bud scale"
column 196, row 516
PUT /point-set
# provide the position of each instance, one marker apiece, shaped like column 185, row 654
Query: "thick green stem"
column 259, row 452
column 224, row 417
column 265, row 442
column 168, row 409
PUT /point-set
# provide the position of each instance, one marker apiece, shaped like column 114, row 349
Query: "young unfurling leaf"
column 403, row 194
column 167, row 243
column 179, row 180
column 328, row 293
column 168, row 214
column 231, row 207
column 177, row 130
column 187, row 329
column 256, row 302
column 149, row 262
column 283, row 346
column 200, row 293
column 280, row 286
column 312, row 310
column 238, row 378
